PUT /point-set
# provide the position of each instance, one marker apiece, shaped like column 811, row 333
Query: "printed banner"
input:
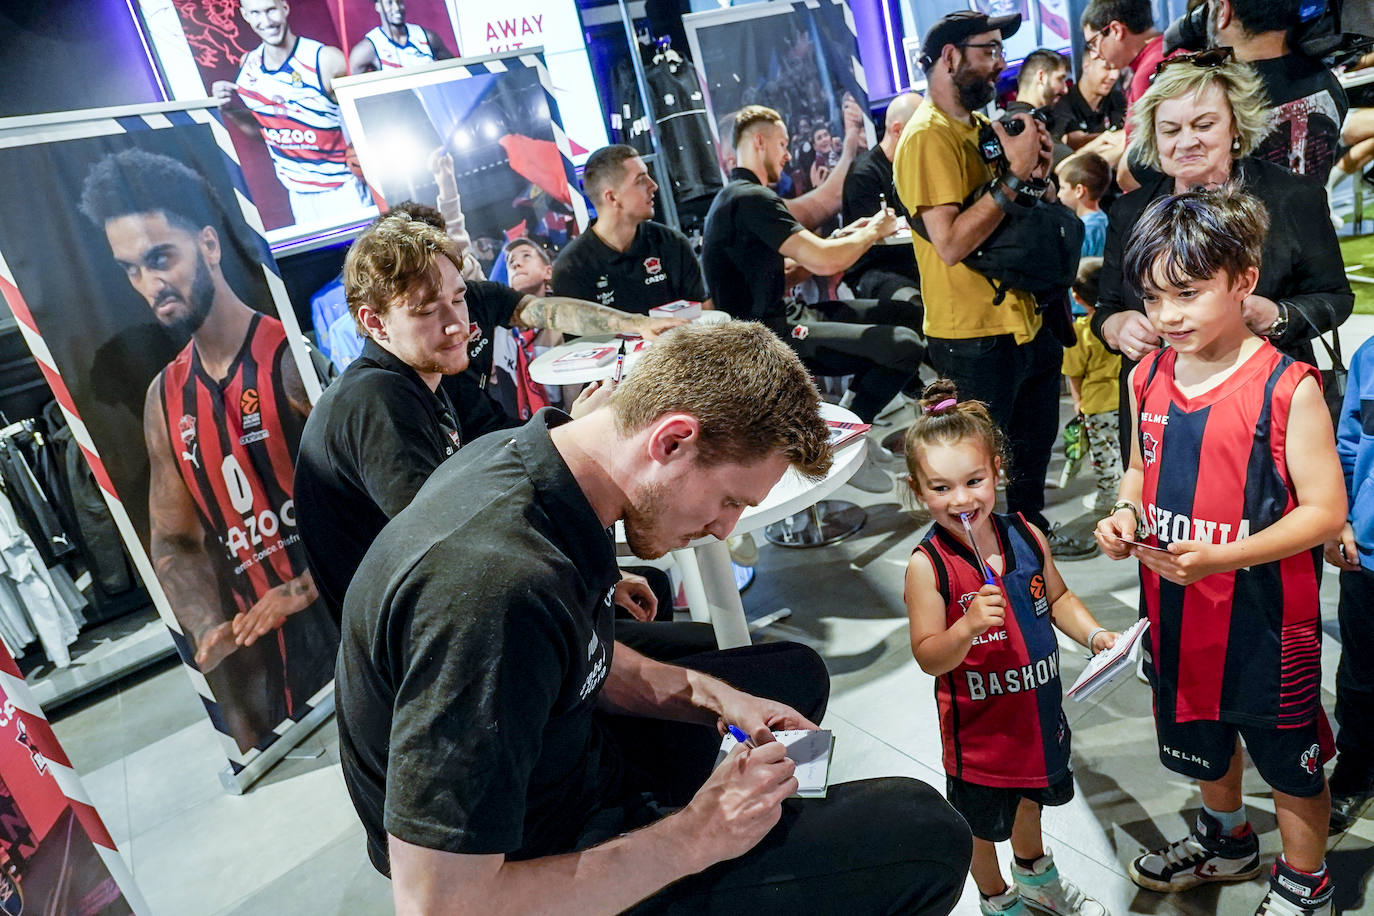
column 154, row 310
column 800, row 58
column 482, row 130
column 272, row 67
column 55, row 854
column 514, row 25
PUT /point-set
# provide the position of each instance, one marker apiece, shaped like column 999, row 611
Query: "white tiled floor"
column 293, row 845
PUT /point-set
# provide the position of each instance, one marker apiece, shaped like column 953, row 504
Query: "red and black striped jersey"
column 235, row 442
column 1001, row 710
column 1241, row 646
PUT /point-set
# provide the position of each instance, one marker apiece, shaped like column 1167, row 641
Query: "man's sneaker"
column 1042, row 889
column 1295, row 893
column 1007, row 903
column 1063, row 547
column 1202, row 856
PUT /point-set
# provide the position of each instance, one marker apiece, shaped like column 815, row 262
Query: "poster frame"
column 243, row 767
column 350, row 89
column 692, row 23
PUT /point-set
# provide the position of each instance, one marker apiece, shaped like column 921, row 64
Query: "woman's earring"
column 1235, row 145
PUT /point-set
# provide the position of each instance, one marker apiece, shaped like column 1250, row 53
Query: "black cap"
column 954, row 28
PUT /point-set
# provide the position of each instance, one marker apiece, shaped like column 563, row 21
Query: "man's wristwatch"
column 1275, row 330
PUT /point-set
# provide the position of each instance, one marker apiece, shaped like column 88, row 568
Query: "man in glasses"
column 1123, row 33
column 1000, row 353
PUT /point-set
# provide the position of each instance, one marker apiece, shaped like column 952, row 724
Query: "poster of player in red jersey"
column 156, row 314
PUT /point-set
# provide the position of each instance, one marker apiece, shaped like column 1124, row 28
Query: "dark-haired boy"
column 1234, row 474
column 1083, row 179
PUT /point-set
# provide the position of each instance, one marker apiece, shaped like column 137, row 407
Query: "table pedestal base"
column 826, row 522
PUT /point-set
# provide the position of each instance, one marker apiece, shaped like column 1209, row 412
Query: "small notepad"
column 1109, row 665
column 809, row 750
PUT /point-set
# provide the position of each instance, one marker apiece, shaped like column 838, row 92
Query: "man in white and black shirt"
column 627, row 261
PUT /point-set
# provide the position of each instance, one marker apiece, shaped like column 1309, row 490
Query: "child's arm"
column 1067, row 610
column 939, row 649
column 1076, row 392
column 1318, row 517
column 1122, row 522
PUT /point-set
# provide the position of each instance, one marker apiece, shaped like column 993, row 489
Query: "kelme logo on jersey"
column 250, row 408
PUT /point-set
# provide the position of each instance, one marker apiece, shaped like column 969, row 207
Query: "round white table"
column 707, row 575
column 543, row 371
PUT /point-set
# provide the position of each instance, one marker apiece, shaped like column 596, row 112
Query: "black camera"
column 990, row 145
column 1315, row 32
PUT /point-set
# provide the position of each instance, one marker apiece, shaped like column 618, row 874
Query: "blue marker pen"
column 987, row 570
column 738, row 734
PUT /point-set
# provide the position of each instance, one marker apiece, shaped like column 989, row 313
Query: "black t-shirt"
column 745, row 227
column 370, row 443
column 658, row 267
column 477, row 636
column 1073, row 113
column 869, row 177
column 489, row 305
column 1308, row 105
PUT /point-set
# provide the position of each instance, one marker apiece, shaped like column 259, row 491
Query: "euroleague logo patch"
column 249, row 408
column 1311, row 759
column 1037, row 592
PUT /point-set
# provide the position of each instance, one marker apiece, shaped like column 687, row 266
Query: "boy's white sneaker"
column 1203, row 856
column 1294, row 893
column 1007, row 903
column 1042, row 888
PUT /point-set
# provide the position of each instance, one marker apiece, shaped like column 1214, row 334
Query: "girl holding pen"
column 981, row 593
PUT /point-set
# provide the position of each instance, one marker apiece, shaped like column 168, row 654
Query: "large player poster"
column 485, row 128
column 152, row 305
column 800, row 58
column 272, row 64
column 55, row 854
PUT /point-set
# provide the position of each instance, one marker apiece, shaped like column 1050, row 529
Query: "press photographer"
column 988, row 335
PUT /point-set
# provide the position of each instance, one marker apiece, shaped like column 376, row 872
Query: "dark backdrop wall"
column 60, row 55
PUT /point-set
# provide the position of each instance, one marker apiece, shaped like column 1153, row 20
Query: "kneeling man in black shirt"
column 627, row 260
column 749, row 232
column 505, row 754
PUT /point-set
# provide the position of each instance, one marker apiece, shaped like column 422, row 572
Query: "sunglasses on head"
column 1212, row 57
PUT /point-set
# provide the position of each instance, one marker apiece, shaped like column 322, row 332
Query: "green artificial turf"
column 1360, row 251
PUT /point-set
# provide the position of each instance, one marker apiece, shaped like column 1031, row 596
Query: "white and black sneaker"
column 1206, row 855
column 1295, row 893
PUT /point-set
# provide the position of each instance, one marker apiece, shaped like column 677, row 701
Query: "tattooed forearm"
column 187, row 577
column 575, row 316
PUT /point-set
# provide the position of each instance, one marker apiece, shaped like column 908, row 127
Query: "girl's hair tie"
column 941, row 407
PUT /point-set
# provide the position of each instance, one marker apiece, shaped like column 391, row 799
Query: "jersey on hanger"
column 390, row 55
column 299, row 121
column 1242, row 646
column 1001, row 710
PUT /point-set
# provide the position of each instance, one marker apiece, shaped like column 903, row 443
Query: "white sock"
column 1229, row 820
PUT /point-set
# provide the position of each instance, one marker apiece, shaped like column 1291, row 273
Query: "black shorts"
column 991, row 810
column 1288, row 759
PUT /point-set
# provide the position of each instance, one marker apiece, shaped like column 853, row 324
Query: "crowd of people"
column 506, row 739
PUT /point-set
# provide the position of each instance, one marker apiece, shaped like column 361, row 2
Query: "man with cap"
column 1001, row 354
